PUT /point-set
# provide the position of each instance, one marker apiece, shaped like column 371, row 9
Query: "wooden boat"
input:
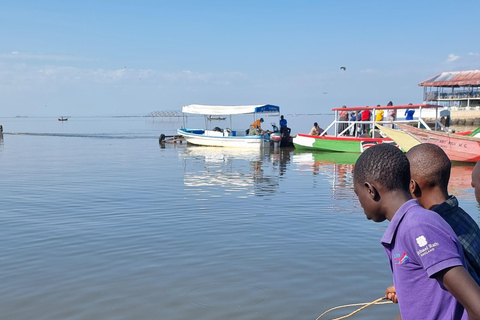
column 62, row 119
column 457, row 147
column 341, row 142
column 218, row 137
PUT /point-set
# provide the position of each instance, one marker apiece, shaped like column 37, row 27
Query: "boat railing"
column 419, row 122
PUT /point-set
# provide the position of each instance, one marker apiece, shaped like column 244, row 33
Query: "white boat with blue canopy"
column 227, row 137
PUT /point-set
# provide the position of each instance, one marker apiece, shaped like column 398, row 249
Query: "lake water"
column 98, row 221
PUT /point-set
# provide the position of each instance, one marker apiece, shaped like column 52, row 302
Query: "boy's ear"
column 415, row 189
column 372, row 191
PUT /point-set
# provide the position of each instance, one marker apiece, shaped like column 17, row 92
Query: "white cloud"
column 15, row 55
column 474, row 54
column 368, row 70
column 452, row 57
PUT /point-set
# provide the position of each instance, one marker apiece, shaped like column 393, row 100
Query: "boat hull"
column 457, row 147
column 336, row 144
column 198, row 137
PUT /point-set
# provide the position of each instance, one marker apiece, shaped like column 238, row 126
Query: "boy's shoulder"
column 412, row 220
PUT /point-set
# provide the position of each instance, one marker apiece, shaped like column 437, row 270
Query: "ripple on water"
column 227, row 295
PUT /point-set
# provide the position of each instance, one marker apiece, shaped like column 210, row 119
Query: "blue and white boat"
column 218, row 137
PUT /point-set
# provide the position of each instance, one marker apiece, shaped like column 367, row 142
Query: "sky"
column 130, row 58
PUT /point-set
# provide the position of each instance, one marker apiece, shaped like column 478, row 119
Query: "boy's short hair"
column 383, row 163
column 430, row 163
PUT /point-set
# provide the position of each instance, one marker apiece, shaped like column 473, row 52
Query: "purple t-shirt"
column 419, row 243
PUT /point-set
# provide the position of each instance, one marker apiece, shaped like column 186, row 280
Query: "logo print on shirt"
column 399, row 259
column 422, row 241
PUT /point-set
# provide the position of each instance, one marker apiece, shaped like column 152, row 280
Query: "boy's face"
column 476, row 181
column 367, row 196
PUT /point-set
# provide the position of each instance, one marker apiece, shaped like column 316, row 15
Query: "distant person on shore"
column 283, row 126
column 316, row 130
column 343, row 117
column 426, row 258
column 409, row 113
column 392, row 116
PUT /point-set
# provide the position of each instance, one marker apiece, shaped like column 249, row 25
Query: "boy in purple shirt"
column 426, row 257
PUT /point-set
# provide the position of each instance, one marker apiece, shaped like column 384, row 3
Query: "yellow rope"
column 364, row 305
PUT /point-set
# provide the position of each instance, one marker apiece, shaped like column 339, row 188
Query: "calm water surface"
column 99, row 222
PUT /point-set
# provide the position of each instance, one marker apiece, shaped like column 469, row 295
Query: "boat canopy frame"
column 231, row 110
column 211, row 110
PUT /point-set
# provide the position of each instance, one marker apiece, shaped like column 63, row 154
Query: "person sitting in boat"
column 256, row 128
column 284, row 130
column 316, row 130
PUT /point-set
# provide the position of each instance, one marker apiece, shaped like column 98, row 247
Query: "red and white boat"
column 457, row 147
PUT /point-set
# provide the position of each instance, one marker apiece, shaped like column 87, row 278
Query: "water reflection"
column 338, row 167
column 460, row 178
column 335, row 167
column 251, row 172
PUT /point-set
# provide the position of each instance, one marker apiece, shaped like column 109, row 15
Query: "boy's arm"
column 462, row 286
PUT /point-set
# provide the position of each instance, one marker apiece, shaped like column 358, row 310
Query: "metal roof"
column 453, row 79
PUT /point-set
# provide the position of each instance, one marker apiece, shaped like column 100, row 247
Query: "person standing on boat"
column 365, row 117
column 353, row 119
column 378, row 114
column 392, row 115
column 409, row 113
column 343, row 117
column 426, row 257
column 283, row 126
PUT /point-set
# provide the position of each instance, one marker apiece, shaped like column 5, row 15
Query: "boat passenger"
column 426, row 257
column 379, row 115
column 283, row 126
column 343, row 117
column 353, row 119
column 316, row 130
column 365, row 117
column 256, row 128
column 409, row 113
column 392, row 115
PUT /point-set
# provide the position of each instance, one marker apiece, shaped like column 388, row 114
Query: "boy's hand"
column 391, row 294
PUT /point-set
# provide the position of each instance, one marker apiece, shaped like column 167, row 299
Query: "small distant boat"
column 216, row 118
column 62, row 119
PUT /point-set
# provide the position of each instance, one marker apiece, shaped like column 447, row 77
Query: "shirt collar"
column 395, row 222
column 445, row 207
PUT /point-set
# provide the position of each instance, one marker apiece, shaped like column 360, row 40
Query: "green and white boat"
column 343, row 142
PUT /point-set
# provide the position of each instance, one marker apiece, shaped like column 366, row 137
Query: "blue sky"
column 97, row 58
